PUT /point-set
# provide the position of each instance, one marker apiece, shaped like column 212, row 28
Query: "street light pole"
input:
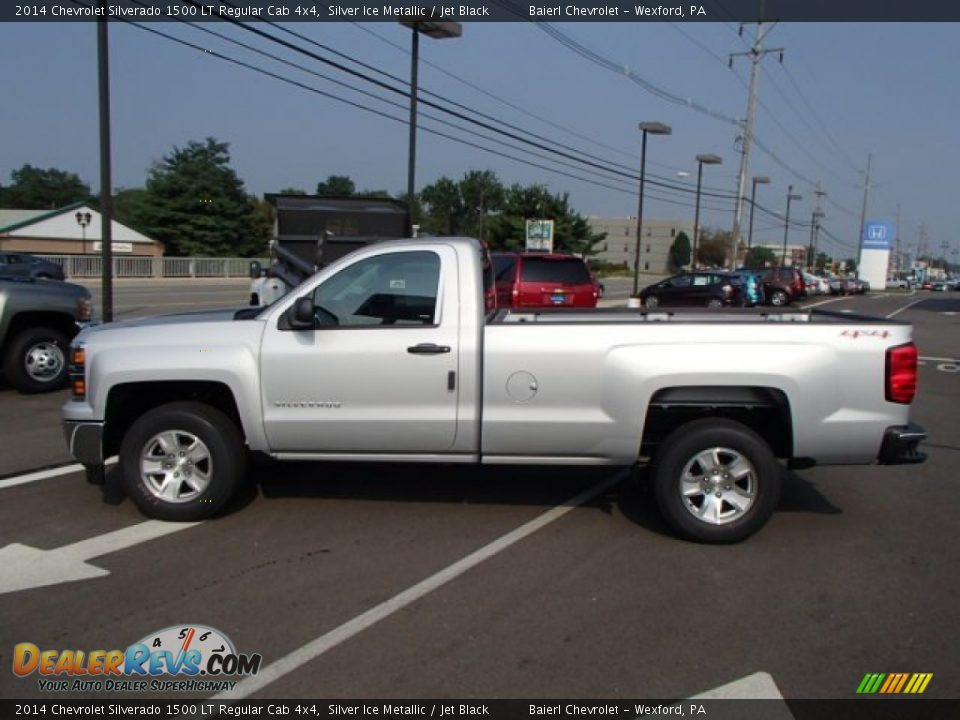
column 786, row 224
column 706, row 159
column 106, row 191
column 654, row 128
column 83, row 219
column 759, row 179
column 438, row 31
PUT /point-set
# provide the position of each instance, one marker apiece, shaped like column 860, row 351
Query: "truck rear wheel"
column 182, row 461
column 716, row 481
column 36, row 360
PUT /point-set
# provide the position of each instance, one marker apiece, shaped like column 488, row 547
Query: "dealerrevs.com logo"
column 202, row 654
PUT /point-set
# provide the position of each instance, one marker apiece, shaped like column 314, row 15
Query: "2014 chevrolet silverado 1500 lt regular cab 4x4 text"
column 396, row 353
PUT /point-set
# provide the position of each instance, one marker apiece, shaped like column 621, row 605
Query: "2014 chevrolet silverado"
column 396, row 353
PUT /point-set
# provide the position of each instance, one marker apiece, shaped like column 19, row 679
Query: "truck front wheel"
column 182, row 461
column 36, row 360
column 716, row 481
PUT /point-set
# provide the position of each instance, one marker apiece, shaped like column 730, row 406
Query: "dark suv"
column 783, row 285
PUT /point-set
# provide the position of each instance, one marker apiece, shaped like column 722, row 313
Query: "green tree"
column 680, row 251
column 197, row 205
column 129, row 206
column 481, row 194
column 292, row 191
column 822, row 260
column 759, row 256
column 38, row 189
column 443, row 205
column 378, row 194
column 571, row 232
column 337, row 186
column 850, row 265
column 713, row 248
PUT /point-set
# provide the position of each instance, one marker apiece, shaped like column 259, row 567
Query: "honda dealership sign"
column 875, row 256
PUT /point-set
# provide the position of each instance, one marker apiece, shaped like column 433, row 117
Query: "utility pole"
column 815, row 229
column 899, row 265
column 106, row 186
column 755, row 55
column 863, row 212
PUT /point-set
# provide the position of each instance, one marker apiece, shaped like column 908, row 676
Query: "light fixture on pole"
column 786, row 223
column 83, row 219
column 653, row 128
column 437, row 31
column 706, row 159
column 757, row 180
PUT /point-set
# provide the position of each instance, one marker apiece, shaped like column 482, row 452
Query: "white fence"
column 90, row 266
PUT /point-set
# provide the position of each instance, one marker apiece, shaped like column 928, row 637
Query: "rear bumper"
column 900, row 445
column 84, row 441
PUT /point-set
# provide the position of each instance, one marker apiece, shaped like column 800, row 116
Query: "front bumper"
column 84, row 441
column 900, row 445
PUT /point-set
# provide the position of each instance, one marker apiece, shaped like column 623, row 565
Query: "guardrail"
column 90, row 266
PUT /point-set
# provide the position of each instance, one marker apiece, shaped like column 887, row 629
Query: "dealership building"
column 71, row 230
column 620, row 244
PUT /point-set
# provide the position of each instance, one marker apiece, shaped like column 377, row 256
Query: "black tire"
column 679, row 451
column 226, row 466
column 36, row 360
column 651, row 302
column 778, row 298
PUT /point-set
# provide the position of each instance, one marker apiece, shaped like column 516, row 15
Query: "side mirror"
column 301, row 315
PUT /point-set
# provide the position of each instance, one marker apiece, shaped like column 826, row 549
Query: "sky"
column 842, row 91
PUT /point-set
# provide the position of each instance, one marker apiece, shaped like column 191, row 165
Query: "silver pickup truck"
column 395, row 353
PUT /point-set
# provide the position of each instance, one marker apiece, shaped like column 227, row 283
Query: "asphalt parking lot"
column 364, row 581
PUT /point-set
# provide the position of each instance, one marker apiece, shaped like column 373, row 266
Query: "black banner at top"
column 483, row 10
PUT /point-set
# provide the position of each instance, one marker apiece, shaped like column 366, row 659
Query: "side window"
column 701, row 280
column 682, row 281
column 390, row 289
column 504, row 267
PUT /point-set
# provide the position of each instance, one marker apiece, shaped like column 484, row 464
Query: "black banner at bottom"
column 854, row 709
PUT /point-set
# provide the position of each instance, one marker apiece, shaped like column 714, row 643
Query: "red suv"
column 540, row 280
column 783, row 285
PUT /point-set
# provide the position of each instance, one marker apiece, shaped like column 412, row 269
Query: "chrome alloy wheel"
column 176, row 466
column 718, row 485
column 44, row 361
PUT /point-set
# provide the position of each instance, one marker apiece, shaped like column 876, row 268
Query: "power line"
column 460, row 140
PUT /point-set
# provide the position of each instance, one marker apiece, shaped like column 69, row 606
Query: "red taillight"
column 901, row 374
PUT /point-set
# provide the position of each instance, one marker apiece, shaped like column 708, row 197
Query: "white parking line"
column 759, row 686
column 824, row 302
column 45, row 474
column 905, row 307
column 318, row 646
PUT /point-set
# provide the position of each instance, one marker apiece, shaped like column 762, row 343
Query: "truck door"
column 377, row 372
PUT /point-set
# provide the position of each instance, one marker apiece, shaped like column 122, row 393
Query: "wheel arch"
column 128, row 401
column 60, row 321
column 765, row 410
